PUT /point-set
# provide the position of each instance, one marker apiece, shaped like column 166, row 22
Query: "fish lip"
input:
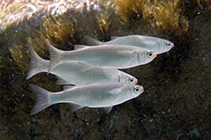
column 141, row 88
column 135, row 81
column 172, row 45
column 154, row 54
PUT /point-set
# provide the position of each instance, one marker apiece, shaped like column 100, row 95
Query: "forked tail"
column 36, row 63
column 55, row 56
column 42, row 99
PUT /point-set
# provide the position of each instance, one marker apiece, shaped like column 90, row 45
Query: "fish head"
column 130, row 91
column 127, row 78
column 132, row 80
column 145, row 56
column 164, row 46
column 136, row 90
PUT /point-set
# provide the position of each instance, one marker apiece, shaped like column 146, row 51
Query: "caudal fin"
column 92, row 41
column 55, row 56
column 35, row 63
column 42, row 99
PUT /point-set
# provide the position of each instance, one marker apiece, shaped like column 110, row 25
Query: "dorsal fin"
column 77, row 47
column 114, row 37
column 92, row 41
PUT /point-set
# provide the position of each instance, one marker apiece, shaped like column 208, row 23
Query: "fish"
column 104, row 56
column 158, row 45
column 72, row 72
column 96, row 95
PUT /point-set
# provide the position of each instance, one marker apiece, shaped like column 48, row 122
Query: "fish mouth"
column 154, row 55
column 172, row 45
column 141, row 88
column 135, row 81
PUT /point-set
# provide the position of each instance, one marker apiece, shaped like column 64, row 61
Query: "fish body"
column 158, row 45
column 97, row 95
column 74, row 72
column 104, row 56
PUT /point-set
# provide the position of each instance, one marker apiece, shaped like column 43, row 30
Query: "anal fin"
column 107, row 109
column 85, row 67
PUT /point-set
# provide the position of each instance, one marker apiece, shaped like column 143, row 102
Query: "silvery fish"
column 105, row 56
column 72, row 72
column 98, row 95
column 158, row 45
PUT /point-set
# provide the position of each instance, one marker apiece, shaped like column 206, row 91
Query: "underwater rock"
column 17, row 12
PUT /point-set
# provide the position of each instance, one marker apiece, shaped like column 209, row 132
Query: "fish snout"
column 135, row 81
column 141, row 89
column 154, row 54
column 172, row 45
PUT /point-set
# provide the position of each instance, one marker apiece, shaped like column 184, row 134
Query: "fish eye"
column 149, row 53
column 131, row 80
column 168, row 44
column 136, row 89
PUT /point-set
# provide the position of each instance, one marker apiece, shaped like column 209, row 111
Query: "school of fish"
column 89, row 74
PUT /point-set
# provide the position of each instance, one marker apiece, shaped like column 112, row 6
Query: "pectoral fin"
column 115, row 91
column 107, row 109
column 126, row 52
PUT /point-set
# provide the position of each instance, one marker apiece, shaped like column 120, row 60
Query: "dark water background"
column 175, row 104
